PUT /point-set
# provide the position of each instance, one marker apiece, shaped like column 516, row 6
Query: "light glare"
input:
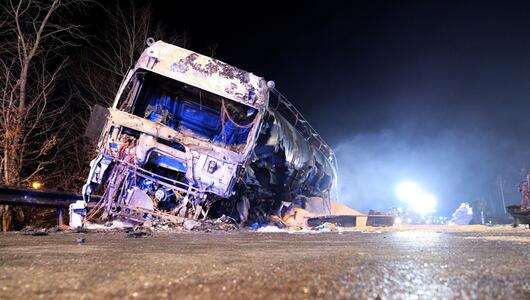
column 418, row 200
column 37, row 185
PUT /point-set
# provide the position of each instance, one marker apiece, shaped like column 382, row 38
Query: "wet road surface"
column 429, row 263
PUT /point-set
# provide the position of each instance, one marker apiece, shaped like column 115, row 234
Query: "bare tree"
column 40, row 125
column 118, row 47
column 33, row 36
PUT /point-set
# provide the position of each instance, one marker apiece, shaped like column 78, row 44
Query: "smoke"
column 456, row 166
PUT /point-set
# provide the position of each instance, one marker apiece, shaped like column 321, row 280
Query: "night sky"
column 432, row 92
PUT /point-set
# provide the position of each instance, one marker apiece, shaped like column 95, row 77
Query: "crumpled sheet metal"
column 298, row 152
column 206, row 73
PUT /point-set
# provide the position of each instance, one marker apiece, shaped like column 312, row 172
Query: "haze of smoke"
column 455, row 166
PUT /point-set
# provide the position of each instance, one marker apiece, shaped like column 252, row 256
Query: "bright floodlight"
column 408, row 190
column 418, row 200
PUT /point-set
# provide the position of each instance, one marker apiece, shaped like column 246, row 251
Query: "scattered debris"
column 326, row 227
column 139, row 231
column 190, row 224
column 270, row 228
column 59, row 229
column 41, row 232
column 117, row 224
column 27, row 230
column 33, row 231
column 223, row 223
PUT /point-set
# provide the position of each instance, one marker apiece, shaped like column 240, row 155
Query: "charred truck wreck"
column 189, row 136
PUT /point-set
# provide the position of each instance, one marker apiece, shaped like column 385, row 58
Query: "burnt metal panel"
column 95, row 125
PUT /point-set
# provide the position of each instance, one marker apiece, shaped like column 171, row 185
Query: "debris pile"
column 34, row 231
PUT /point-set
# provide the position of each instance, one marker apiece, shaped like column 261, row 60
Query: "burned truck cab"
column 181, row 131
column 188, row 133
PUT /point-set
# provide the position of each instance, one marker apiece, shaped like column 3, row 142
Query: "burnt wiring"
column 226, row 115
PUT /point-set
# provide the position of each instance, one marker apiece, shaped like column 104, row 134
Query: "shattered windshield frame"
column 191, row 111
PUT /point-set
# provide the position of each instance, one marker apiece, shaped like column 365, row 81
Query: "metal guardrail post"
column 59, row 216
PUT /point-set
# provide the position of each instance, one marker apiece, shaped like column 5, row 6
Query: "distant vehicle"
column 188, row 134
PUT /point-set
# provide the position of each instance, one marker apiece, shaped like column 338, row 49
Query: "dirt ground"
column 407, row 262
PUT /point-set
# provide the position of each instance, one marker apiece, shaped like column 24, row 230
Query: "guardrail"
column 37, row 198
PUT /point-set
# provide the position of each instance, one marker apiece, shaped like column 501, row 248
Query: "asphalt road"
column 422, row 263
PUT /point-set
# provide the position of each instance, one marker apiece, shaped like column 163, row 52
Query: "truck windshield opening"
column 188, row 109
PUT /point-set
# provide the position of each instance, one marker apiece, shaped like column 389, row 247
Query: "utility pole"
column 502, row 194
